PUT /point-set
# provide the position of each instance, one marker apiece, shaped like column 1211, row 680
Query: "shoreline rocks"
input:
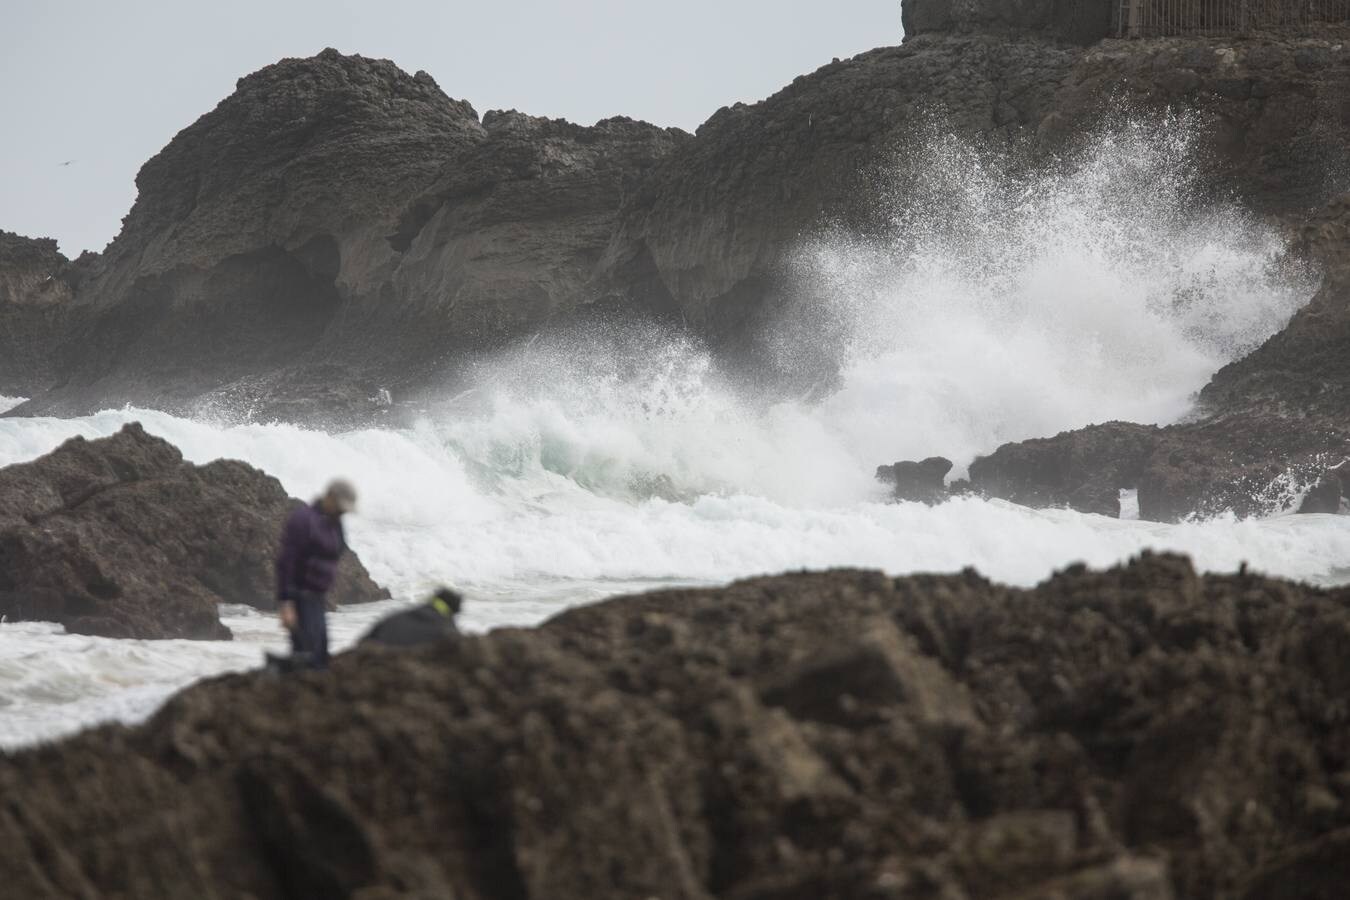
column 1329, row 494
column 920, row 482
column 1142, row 733
column 120, row 537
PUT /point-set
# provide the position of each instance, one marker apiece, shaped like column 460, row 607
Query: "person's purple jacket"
column 311, row 544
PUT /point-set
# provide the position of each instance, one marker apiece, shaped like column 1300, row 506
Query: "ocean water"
column 579, row 466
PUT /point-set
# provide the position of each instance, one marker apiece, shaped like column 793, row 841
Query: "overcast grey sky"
column 107, row 83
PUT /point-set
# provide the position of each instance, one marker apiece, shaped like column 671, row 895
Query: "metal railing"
column 1159, row 18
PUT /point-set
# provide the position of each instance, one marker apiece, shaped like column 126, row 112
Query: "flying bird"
column 67, row 162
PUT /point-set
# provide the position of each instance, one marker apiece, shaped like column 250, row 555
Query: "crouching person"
column 424, row 624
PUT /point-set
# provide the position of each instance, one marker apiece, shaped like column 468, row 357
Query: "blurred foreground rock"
column 1138, row 733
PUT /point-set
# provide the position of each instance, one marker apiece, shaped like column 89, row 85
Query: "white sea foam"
column 528, row 543
column 8, row 403
column 581, row 466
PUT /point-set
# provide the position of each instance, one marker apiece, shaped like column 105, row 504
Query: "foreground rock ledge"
column 1138, row 733
column 120, row 537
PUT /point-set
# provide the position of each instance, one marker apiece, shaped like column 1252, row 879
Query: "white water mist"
column 582, row 465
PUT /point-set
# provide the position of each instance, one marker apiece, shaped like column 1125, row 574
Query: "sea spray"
column 583, row 464
column 997, row 306
column 426, row 516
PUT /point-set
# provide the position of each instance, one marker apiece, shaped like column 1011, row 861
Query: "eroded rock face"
column 924, row 481
column 1248, row 465
column 120, row 537
column 1142, row 733
column 35, row 294
column 1084, row 470
column 1328, row 495
column 712, row 241
column 1081, row 21
column 1304, row 369
column 336, row 226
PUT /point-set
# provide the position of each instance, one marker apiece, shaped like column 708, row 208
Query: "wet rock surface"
column 1138, row 733
column 924, row 481
column 1248, row 465
column 1084, row 470
column 120, row 537
column 1329, row 494
column 710, row 240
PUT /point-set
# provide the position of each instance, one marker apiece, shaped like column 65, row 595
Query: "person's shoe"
column 298, row 661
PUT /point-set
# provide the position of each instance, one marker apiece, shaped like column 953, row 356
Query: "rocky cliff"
column 1079, row 21
column 714, row 242
column 120, row 537
column 35, row 295
column 1139, row 734
column 336, row 225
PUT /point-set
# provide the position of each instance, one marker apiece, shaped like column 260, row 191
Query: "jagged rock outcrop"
column 1142, row 733
column 35, row 294
column 924, row 481
column 1247, row 465
column 1329, row 495
column 1084, row 470
column 120, row 537
column 1304, row 370
column 336, row 226
column 712, row 242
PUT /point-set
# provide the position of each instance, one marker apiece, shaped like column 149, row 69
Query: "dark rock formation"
column 1329, row 494
column 920, row 482
column 35, row 296
column 710, row 239
column 1141, row 734
column 336, row 226
column 120, row 537
column 1304, row 369
column 1246, row 465
column 1085, row 470
column 1080, row 21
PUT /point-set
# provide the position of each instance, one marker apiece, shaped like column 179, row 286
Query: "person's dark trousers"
column 310, row 635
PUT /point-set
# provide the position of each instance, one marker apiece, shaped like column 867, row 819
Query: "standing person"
column 311, row 544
